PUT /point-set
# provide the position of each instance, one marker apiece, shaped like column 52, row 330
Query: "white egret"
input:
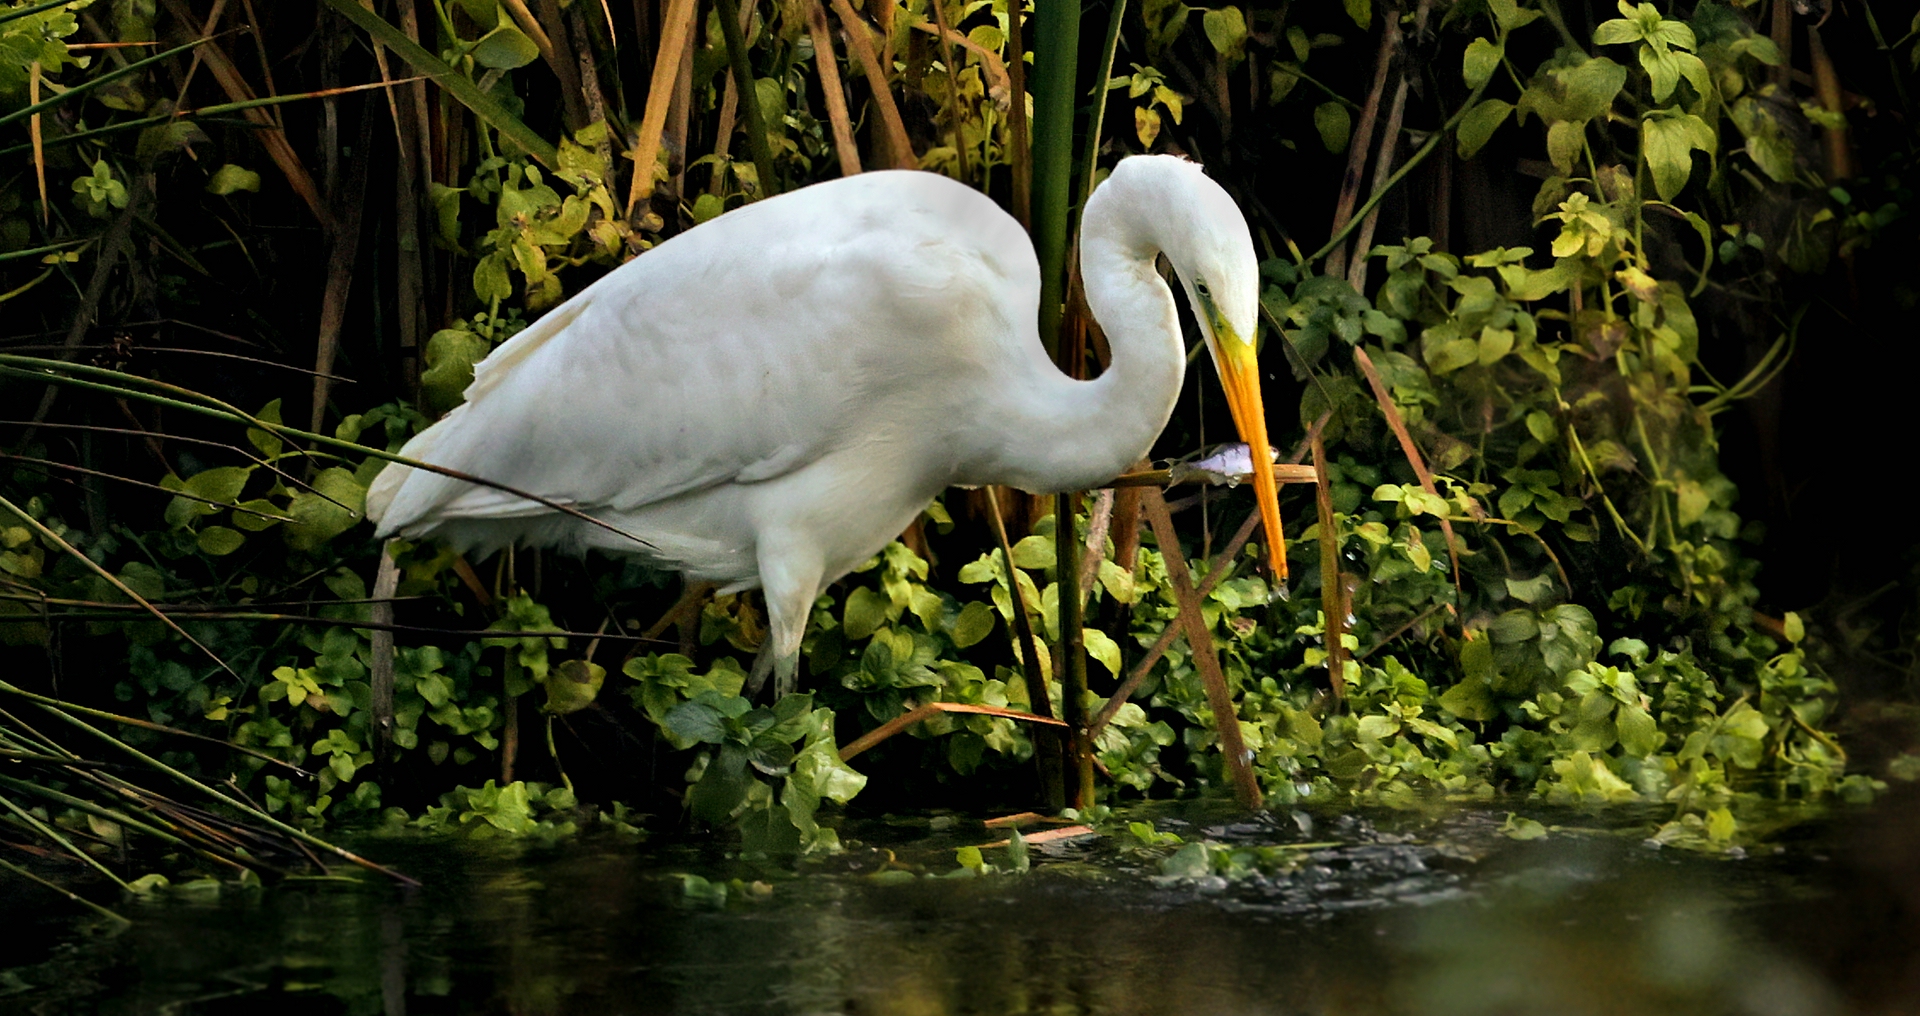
column 769, row 398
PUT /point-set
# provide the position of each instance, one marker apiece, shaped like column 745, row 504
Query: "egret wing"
column 735, row 353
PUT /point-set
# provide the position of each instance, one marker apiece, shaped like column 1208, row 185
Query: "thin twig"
column 1226, row 716
column 103, row 474
column 114, row 580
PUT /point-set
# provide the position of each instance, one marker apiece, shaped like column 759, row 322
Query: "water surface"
column 1435, row 913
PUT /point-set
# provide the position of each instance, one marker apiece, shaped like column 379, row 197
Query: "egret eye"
column 1201, row 288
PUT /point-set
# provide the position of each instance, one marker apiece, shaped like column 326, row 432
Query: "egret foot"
column 785, row 671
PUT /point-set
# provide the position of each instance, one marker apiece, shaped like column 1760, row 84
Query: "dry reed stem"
column 524, row 19
column 1360, row 142
column 860, row 41
column 344, row 244
column 386, row 580
column 1172, row 631
column 1047, row 836
column 1226, row 718
column 676, row 32
column 1412, row 452
column 206, row 31
column 943, row 34
column 1826, row 87
column 827, row 66
column 565, row 67
column 278, row 148
column 930, row 710
column 39, row 155
column 1021, row 158
column 410, row 286
column 1333, row 606
column 996, row 68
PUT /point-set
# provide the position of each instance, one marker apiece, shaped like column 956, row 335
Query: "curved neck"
column 1072, row 435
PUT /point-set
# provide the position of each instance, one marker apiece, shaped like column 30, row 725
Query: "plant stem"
column 1056, row 60
column 1073, row 649
column 754, row 123
column 1091, row 163
column 1046, row 746
column 1393, row 181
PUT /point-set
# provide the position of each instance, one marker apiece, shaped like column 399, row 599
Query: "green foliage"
column 1594, row 642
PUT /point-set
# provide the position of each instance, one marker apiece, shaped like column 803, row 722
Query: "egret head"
column 1204, row 236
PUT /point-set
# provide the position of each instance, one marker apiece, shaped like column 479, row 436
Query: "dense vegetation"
column 1526, row 267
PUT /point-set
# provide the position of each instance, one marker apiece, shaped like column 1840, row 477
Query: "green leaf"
column 1495, row 344
column 1361, row 11
column 451, row 354
column 1102, row 648
column 1639, row 734
column 1470, row 699
column 1445, row 355
column 1482, row 58
column 1565, row 140
column 219, row 541
column 1034, row 552
column 1542, row 427
column 722, row 787
column 1531, row 590
column 696, row 722
column 1334, row 125
column 865, row 612
column 1617, row 32
column 1514, row 626
column 1669, row 143
column 1509, row 15
column 572, row 686
column 974, row 623
column 1226, row 29
column 221, row 484
column 1795, row 628
column 318, row 519
column 505, row 48
column 1477, row 127
column 230, row 178
column 254, row 523
column 1578, row 92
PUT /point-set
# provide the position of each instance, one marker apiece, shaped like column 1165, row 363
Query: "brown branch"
column 1360, row 142
column 278, row 148
column 927, row 712
column 1333, row 605
column 827, row 66
column 675, row 33
column 1226, row 717
column 1021, row 158
column 1412, row 452
column 386, row 580
column 860, row 42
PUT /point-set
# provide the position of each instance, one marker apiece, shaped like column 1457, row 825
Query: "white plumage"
column 769, row 398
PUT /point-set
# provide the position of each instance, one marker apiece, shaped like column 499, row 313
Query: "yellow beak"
column 1240, row 376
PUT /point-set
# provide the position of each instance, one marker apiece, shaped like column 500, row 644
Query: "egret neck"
column 1071, row 434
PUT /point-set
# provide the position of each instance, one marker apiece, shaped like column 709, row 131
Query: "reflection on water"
column 1415, row 916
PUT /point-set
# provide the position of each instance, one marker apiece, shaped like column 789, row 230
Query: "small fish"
column 1227, row 466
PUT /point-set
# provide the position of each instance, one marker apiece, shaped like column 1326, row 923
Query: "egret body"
column 770, row 397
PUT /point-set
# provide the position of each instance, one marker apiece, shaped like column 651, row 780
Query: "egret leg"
column 790, row 573
column 784, row 668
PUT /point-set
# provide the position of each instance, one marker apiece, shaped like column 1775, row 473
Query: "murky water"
column 1428, row 914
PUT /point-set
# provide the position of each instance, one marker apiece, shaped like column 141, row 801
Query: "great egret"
column 769, row 398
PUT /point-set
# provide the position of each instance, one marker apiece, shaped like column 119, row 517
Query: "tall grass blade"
column 461, row 87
